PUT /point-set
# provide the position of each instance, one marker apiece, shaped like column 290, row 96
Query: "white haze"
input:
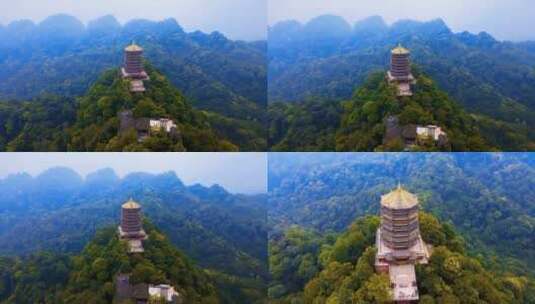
column 238, row 19
column 236, row 172
column 504, row 19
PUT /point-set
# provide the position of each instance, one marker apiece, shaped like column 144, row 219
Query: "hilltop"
column 362, row 122
column 485, row 196
column 92, row 122
column 340, row 268
column 328, row 59
column 91, row 275
column 44, row 67
column 62, row 56
column 223, row 233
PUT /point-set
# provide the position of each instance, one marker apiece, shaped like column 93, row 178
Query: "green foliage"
column 222, row 232
column 90, row 276
column 33, row 279
column 359, row 124
column 293, row 260
column 485, row 196
column 91, row 124
column 96, row 128
column 219, row 74
column 308, row 126
column 36, row 125
column 363, row 121
column 93, row 274
column 490, row 79
column 298, row 256
column 50, row 123
column 450, row 277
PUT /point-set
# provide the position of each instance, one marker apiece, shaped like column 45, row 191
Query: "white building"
column 403, row 281
column 162, row 123
column 164, row 291
column 430, row 131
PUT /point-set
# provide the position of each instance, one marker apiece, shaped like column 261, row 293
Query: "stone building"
column 399, row 244
column 124, row 291
column 165, row 292
column 133, row 68
column 144, row 126
column 400, row 71
column 131, row 227
column 431, row 131
column 411, row 134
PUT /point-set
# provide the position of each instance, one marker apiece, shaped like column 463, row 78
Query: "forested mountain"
column 312, row 268
column 92, row 123
column 360, row 123
column 487, row 197
column 62, row 57
column 59, row 211
column 328, row 59
column 90, row 277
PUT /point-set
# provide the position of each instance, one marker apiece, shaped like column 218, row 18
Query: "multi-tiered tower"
column 399, row 243
column 131, row 228
column 133, row 67
column 400, row 70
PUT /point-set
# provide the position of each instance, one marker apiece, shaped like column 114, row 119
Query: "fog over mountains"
column 328, row 59
column 239, row 19
column 507, row 20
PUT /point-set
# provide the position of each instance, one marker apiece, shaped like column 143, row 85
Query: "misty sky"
column 236, row 172
column 504, row 19
column 237, row 19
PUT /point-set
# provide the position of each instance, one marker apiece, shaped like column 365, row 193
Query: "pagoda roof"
column 400, row 50
column 133, row 48
column 399, row 199
column 131, row 204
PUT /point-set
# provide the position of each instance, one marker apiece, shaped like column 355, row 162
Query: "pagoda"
column 131, row 228
column 133, row 68
column 400, row 71
column 399, row 244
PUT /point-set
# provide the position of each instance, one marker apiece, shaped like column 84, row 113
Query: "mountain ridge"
column 219, row 75
column 492, row 80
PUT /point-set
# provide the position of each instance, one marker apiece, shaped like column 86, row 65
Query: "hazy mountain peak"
column 432, row 27
column 284, row 31
column 21, row 25
column 16, row 177
column 218, row 37
column 214, row 190
column 105, row 23
column 105, row 174
column 286, row 25
column 139, row 24
column 62, row 22
column 328, row 26
column 371, row 23
column 169, row 176
column 171, row 24
column 483, row 39
column 438, row 23
column 60, row 178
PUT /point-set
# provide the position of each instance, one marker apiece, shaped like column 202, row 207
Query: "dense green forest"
column 91, row 123
column 487, row 197
column 60, row 56
column 90, row 276
column 359, row 124
column 327, row 59
column 308, row 267
column 224, row 233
